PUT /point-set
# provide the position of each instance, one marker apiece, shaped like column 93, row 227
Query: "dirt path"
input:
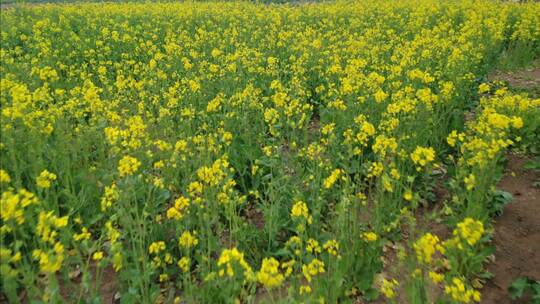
column 526, row 80
column 517, row 233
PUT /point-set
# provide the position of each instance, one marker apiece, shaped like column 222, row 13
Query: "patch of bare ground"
column 523, row 80
column 255, row 216
column 517, row 233
column 108, row 286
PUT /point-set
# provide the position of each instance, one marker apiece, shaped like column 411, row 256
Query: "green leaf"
column 518, row 287
column 371, row 294
column 500, row 199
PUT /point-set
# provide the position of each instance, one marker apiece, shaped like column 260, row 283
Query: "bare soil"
column 517, row 233
column 524, row 80
column 107, row 289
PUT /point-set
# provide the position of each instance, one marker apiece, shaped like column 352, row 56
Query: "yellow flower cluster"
column 425, row 247
column 269, row 274
column 388, row 288
column 188, row 240
column 12, row 205
column 177, row 211
column 460, row 293
column 300, row 210
column 490, row 133
column 229, row 260
column 45, row 179
column 312, row 269
column 333, row 178
column 4, row 177
column 369, row 236
column 214, row 174
column 422, row 156
column 128, row 166
column 156, row 247
column 83, row 235
column 110, row 196
column 50, row 261
column 332, row 246
column 469, row 231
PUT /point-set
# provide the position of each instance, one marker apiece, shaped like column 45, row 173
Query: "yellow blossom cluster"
column 231, row 260
column 426, row 247
column 269, row 275
column 461, row 293
column 128, row 165
column 45, row 179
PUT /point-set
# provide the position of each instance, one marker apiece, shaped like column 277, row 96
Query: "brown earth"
column 517, row 233
column 527, row 80
column 107, row 289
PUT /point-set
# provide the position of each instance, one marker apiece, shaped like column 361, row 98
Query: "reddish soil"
column 517, row 233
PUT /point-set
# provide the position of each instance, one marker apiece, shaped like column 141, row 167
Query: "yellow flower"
column 332, row 246
column 436, row 277
column 48, row 225
column 231, row 258
column 216, row 53
column 97, row 256
column 395, row 174
column 388, row 288
column 517, row 122
column 128, row 165
column 12, row 205
column 369, row 236
column 305, row 289
column 163, row 277
column 50, row 262
column 188, row 240
column 215, row 104
column 4, row 177
column 288, row 266
column 408, row 195
column 313, row 246
column 375, row 169
column 425, row 247
column 194, row 86
column 213, row 175
column 45, row 179
column 387, row 183
column 159, row 164
column 177, row 211
column 469, row 230
column 422, row 156
column 110, row 196
column 117, row 261
column 380, row 96
column 300, row 210
column 312, row 269
column 460, row 293
column 184, row 264
column 483, row 88
column 156, row 247
column 331, row 180
column 84, row 235
column 470, row 181
column 454, row 137
column 269, row 274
